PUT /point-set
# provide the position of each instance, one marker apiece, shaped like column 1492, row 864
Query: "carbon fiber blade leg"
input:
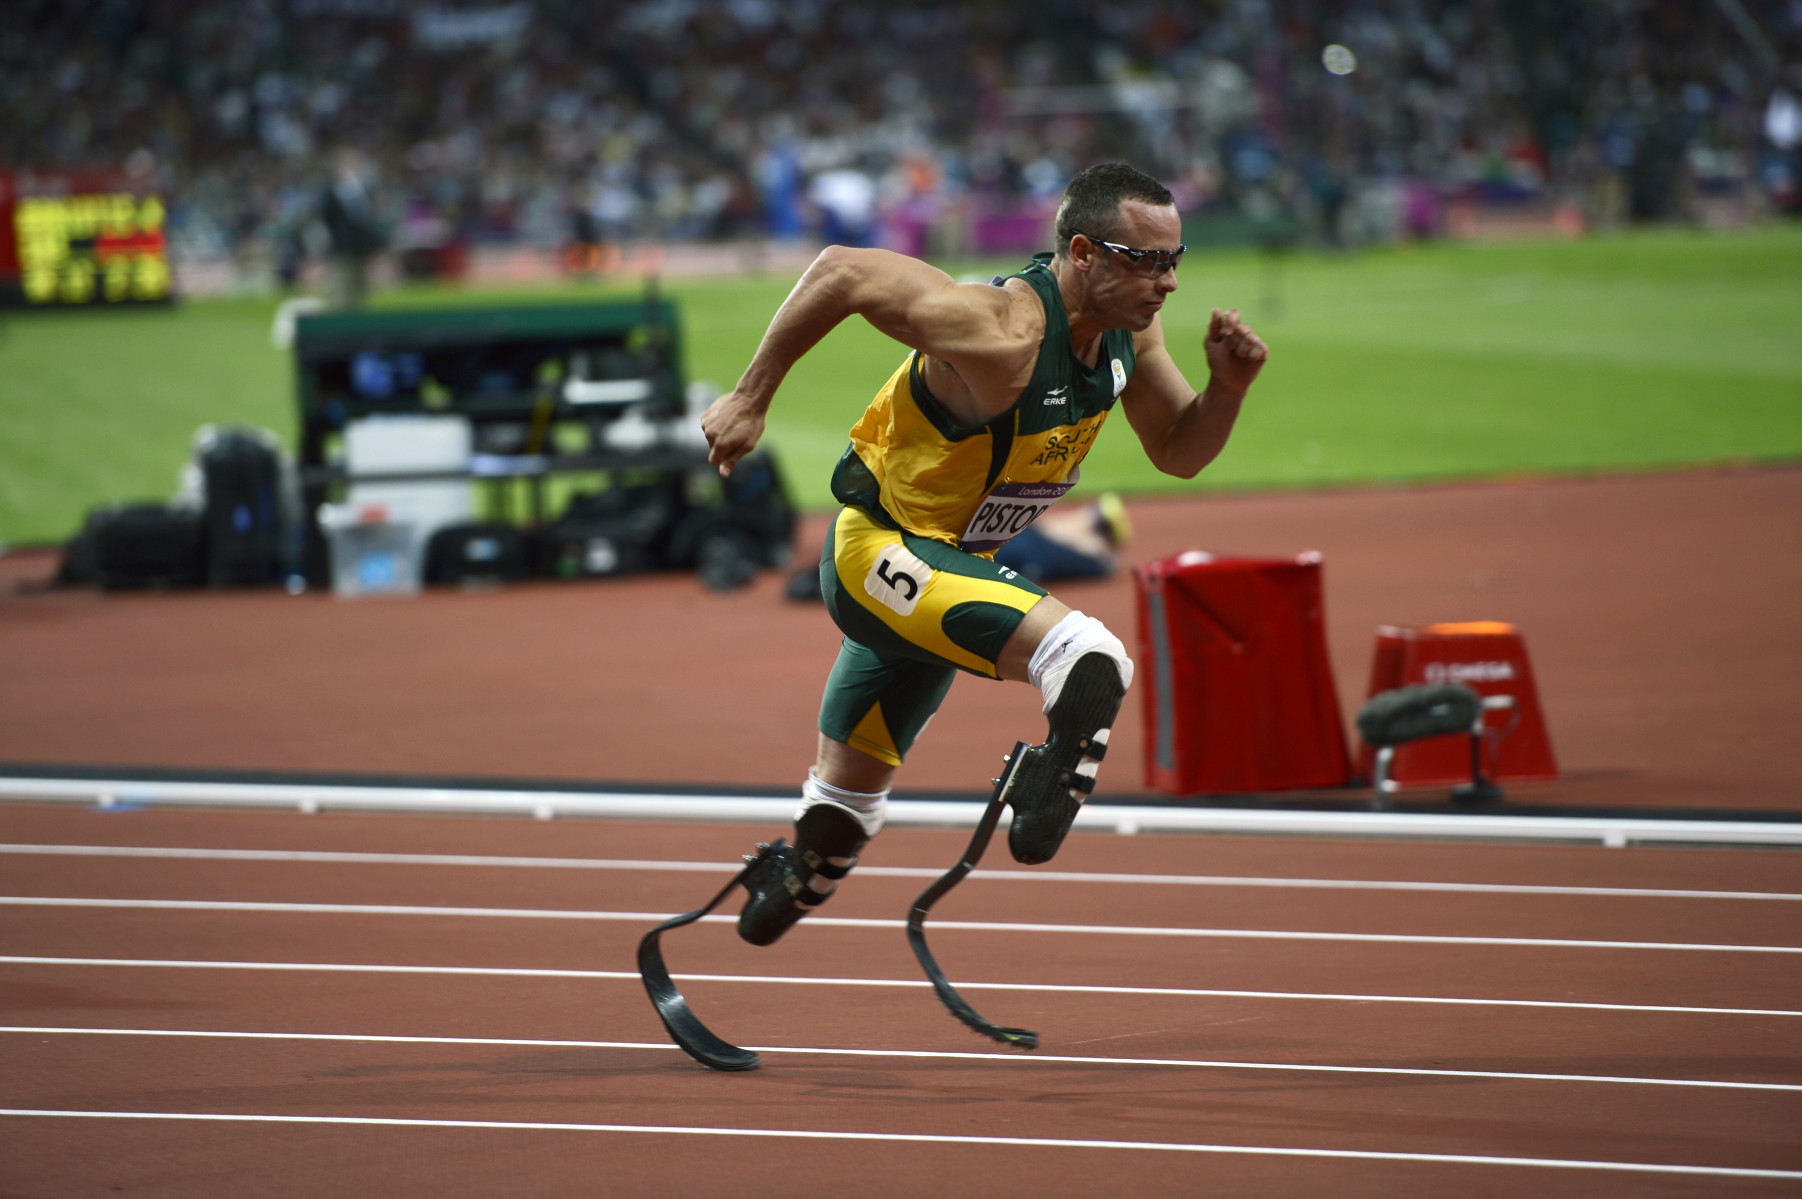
column 683, row 1026
column 1018, row 1038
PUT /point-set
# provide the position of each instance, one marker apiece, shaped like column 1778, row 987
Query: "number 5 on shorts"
column 897, row 579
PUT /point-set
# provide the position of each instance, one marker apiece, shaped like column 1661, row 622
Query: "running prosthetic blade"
column 791, row 880
column 1017, row 1038
column 1045, row 787
column 684, row 1027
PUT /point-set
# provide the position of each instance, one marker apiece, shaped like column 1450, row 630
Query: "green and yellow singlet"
column 913, row 468
column 908, row 571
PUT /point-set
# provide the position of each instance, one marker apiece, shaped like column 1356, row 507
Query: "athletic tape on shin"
column 1068, row 640
column 870, row 808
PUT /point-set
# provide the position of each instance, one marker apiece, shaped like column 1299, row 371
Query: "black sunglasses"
column 1160, row 260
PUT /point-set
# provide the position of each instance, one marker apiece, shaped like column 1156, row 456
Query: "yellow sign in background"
column 84, row 249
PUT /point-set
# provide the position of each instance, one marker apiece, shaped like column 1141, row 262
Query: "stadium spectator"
column 490, row 116
column 353, row 230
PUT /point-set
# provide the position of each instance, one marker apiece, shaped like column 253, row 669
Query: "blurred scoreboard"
column 74, row 240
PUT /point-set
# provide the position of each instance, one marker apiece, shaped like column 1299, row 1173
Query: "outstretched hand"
column 1235, row 353
column 733, row 425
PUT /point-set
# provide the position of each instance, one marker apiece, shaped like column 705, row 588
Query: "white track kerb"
column 1095, row 817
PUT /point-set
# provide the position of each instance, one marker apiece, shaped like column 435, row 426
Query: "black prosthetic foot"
column 792, row 880
column 684, row 1027
column 1046, row 789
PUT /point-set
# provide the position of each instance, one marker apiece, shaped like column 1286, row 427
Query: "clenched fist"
column 1235, row 353
column 733, row 424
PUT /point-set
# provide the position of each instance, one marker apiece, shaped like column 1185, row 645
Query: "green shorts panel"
column 878, row 703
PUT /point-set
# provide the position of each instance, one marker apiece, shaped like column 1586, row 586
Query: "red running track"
column 1630, row 1023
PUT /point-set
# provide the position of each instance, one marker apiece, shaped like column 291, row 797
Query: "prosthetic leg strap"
column 1095, row 751
column 1018, row 1038
column 823, row 832
column 683, row 1026
column 809, row 897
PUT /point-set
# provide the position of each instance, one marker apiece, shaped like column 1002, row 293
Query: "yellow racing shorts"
column 914, row 612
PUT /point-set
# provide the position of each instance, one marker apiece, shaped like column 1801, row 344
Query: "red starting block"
column 1232, row 664
column 1491, row 658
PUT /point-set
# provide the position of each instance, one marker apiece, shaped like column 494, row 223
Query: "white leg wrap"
column 1068, row 640
column 871, row 809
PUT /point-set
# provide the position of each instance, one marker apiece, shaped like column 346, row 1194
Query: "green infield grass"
column 1644, row 351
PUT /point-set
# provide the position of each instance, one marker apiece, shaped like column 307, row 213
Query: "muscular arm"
column 984, row 333
column 1183, row 430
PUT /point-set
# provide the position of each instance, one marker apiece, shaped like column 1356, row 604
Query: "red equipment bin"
column 1489, row 656
column 1232, row 664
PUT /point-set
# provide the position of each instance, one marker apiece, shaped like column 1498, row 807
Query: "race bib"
column 897, row 579
column 1007, row 510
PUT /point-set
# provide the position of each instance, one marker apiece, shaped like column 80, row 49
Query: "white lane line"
column 926, row 1139
column 1117, row 930
column 793, row 981
column 1110, row 817
column 1057, row 876
column 933, row 1054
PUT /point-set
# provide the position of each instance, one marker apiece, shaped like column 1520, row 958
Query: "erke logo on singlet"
column 1119, row 376
column 1056, row 396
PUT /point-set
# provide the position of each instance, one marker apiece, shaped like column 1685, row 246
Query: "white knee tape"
column 870, row 808
column 1068, row 640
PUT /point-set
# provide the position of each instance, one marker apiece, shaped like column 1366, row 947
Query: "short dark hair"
column 1091, row 203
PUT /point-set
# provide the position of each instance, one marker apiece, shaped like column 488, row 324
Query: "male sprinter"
column 979, row 431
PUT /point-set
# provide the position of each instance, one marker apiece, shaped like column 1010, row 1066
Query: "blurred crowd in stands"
column 934, row 126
